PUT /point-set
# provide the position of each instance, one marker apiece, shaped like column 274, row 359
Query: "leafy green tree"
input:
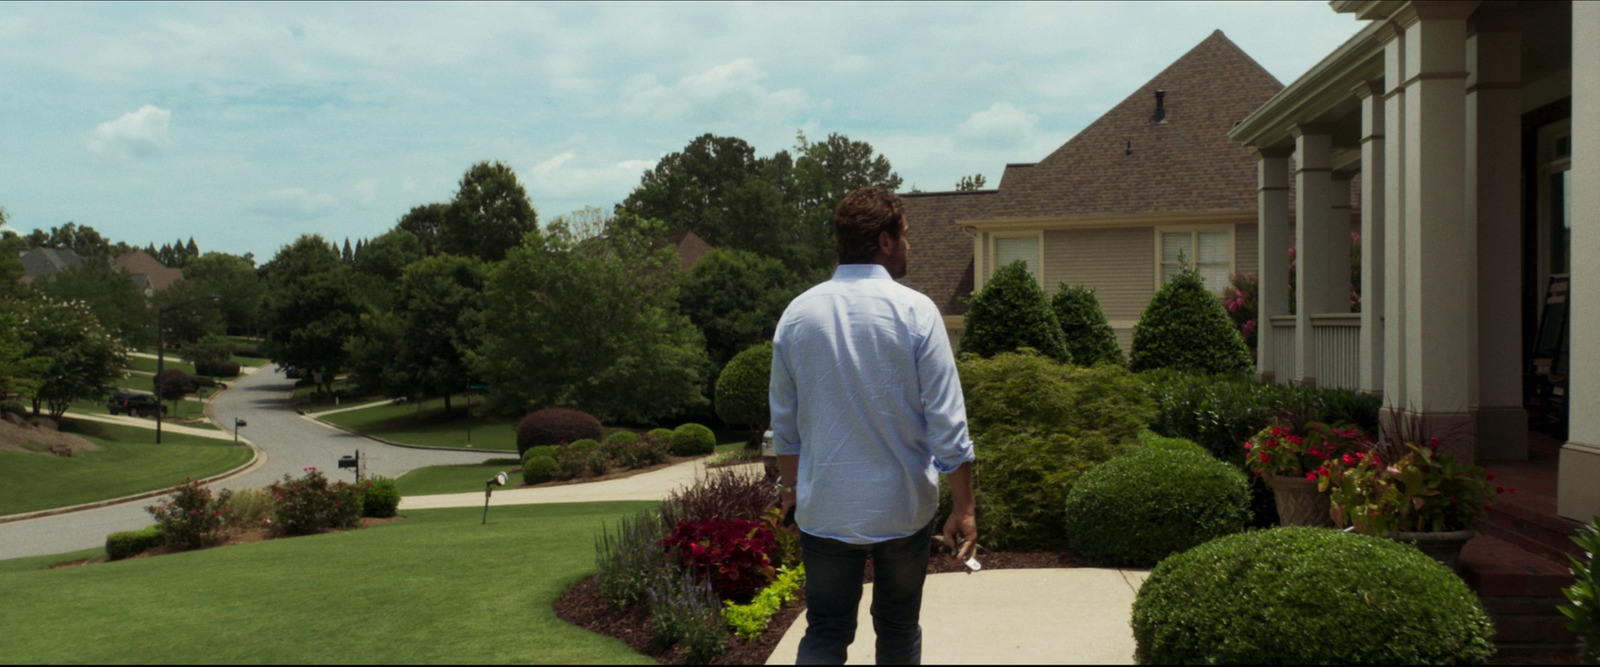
column 591, row 325
column 969, row 183
column 21, row 372
column 435, row 325
column 425, row 223
column 1089, row 336
column 742, row 390
column 735, row 298
column 236, row 283
column 110, row 293
column 489, row 214
column 310, row 308
column 388, row 255
column 1011, row 312
column 191, row 313
column 82, row 240
column 173, row 384
column 208, row 350
column 824, row 173
column 1185, row 328
column 85, row 358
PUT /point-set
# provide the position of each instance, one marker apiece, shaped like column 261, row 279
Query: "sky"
column 246, row 125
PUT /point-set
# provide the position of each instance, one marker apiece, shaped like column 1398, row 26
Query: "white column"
column 1273, row 236
column 1394, row 222
column 1578, row 488
column 1337, row 238
column 1373, row 199
column 1494, row 210
column 1438, row 271
column 1313, row 212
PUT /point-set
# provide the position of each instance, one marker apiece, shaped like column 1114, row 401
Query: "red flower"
column 1348, row 460
column 1433, row 442
column 1311, row 477
column 1247, row 446
column 1488, row 476
column 1323, row 471
column 1452, row 501
column 1265, row 458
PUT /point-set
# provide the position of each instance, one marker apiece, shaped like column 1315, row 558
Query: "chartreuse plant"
column 750, row 620
column 1583, row 615
column 1307, row 596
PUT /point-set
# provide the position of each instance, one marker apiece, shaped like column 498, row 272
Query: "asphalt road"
column 288, row 442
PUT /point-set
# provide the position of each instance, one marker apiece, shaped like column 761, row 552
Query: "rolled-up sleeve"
column 944, row 406
column 783, row 400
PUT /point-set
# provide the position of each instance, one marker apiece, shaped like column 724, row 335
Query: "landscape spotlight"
column 488, row 489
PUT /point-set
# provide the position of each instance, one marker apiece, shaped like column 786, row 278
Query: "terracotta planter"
column 1299, row 502
column 1444, row 547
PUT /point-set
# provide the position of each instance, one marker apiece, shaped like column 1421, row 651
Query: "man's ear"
column 886, row 243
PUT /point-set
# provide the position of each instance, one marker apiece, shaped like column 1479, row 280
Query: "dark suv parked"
column 133, row 404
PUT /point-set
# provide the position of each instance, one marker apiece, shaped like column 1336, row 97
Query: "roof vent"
column 1161, row 109
column 1129, row 149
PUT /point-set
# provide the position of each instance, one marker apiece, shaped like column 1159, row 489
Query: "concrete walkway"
column 653, row 485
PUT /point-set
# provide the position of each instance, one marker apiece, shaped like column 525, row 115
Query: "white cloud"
column 636, row 166
column 999, row 126
column 137, row 134
column 725, row 92
column 295, row 203
column 545, row 168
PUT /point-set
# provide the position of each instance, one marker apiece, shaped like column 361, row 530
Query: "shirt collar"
column 861, row 272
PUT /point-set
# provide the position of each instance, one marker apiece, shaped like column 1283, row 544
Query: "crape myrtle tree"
column 310, row 308
column 173, row 384
column 420, row 348
column 85, row 358
column 592, row 325
column 1011, row 312
column 110, row 293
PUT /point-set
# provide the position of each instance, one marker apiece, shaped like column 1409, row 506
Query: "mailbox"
column 348, row 462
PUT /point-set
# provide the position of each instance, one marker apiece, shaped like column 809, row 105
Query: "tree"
column 173, row 384
column 593, row 326
column 1185, row 328
column 825, row 172
column 82, row 240
column 84, row 358
column 424, row 222
column 21, row 372
column 236, row 283
column 968, row 183
column 1088, row 335
column 742, row 390
column 191, row 313
column 735, row 298
column 310, row 308
column 387, row 256
column 109, row 293
column 1011, row 312
column 421, row 349
column 490, row 213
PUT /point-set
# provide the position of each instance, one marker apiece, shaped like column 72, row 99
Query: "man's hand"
column 964, row 523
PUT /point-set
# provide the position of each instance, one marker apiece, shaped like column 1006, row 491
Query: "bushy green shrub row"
column 134, row 542
column 1307, row 596
column 1158, row 500
column 224, row 369
column 1220, row 412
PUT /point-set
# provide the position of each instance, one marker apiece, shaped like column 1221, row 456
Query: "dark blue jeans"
column 833, row 594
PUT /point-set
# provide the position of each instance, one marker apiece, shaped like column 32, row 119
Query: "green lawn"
column 145, row 365
column 192, row 411
column 425, row 423
column 453, row 479
column 251, row 361
column 309, row 397
column 435, row 587
column 128, row 462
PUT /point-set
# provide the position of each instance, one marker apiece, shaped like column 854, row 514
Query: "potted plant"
column 1289, row 458
column 1410, row 493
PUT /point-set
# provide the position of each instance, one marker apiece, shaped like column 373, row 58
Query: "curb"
column 255, row 460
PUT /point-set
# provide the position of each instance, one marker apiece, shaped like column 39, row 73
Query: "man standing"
column 867, row 411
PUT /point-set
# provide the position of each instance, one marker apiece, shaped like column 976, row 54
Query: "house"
column 689, row 247
column 1115, row 206
column 147, row 272
column 37, row 262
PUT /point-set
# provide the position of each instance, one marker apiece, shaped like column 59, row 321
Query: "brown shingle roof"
column 1014, row 172
column 941, row 253
column 155, row 274
column 690, row 248
column 1185, row 164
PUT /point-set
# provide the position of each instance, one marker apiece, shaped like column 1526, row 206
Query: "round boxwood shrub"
column 692, row 440
column 620, row 437
column 661, row 432
column 552, row 426
column 380, row 498
column 1303, row 596
column 585, row 445
column 1137, row 509
column 538, row 469
column 1088, row 335
column 1011, row 312
column 1149, row 440
column 742, row 387
column 134, row 542
column 1185, row 328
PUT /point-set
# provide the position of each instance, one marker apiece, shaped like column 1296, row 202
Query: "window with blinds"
column 1025, row 248
column 1209, row 251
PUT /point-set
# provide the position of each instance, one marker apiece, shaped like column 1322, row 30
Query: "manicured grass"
column 452, row 479
column 186, row 410
column 146, row 365
column 435, row 587
column 309, row 397
column 250, row 361
column 128, row 462
column 426, row 424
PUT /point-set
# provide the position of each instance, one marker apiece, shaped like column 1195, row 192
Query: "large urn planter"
column 1444, row 547
column 1299, row 502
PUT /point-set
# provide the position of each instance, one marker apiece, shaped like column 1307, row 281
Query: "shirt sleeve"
column 944, row 406
column 783, row 400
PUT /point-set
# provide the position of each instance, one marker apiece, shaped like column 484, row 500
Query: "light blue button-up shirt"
column 864, row 389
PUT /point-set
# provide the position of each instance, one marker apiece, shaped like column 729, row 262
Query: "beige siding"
column 1118, row 263
column 1245, row 244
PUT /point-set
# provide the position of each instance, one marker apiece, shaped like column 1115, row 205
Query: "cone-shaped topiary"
column 1185, row 328
column 554, row 426
column 742, row 387
column 1011, row 312
column 1089, row 336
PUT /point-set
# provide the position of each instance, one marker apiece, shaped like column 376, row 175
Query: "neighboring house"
column 147, row 272
column 689, row 246
column 37, row 262
column 1473, row 129
column 1115, row 206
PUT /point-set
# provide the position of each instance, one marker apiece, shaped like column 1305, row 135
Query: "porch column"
column 1578, row 487
column 1273, row 236
column 1493, row 208
column 1372, row 224
column 1313, row 213
column 1438, row 273
column 1394, row 222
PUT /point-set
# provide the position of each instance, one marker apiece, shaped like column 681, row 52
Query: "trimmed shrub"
column 1089, row 337
column 381, row 498
column 1020, row 391
column 742, row 388
column 1149, row 440
column 619, row 437
column 13, row 408
column 1011, row 312
column 248, row 508
column 312, row 504
column 692, row 440
column 1135, row 510
column 570, row 463
column 641, row 452
column 585, row 445
column 134, row 542
column 542, row 450
column 1217, row 412
column 662, row 432
column 224, row 369
column 1307, row 596
column 1185, row 328
column 1022, row 485
column 538, row 469
column 191, row 518
column 553, row 426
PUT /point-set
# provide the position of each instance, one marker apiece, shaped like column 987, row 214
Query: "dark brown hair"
column 860, row 218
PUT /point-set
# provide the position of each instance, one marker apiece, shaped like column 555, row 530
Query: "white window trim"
column 1194, row 242
column 992, row 253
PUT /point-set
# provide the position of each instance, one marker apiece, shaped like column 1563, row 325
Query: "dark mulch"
column 582, row 606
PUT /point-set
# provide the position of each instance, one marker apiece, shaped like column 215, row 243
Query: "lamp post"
column 161, row 353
